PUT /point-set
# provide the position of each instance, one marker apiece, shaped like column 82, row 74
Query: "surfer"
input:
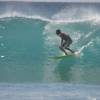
column 66, row 41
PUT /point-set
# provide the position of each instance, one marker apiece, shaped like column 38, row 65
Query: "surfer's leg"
column 66, row 46
column 69, row 49
column 62, row 49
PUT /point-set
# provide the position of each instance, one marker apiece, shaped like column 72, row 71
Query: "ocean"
column 28, row 41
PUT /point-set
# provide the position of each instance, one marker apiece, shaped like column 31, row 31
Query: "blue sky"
column 56, row 0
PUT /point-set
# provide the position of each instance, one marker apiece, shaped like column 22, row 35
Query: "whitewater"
column 28, row 42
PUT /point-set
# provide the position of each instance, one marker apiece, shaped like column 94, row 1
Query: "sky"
column 55, row 0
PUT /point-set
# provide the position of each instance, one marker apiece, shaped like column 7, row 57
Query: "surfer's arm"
column 61, row 42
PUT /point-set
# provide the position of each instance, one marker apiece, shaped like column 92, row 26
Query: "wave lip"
column 45, row 19
column 16, row 14
column 92, row 18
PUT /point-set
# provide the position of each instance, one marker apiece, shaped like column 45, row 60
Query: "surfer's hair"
column 58, row 31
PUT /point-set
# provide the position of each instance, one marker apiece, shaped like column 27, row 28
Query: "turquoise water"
column 28, row 44
column 23, row 51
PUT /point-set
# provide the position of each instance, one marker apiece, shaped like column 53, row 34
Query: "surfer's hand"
column 60, row 46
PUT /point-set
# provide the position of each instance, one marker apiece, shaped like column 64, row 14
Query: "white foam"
column 67, row 14
column 84, row 46
column 16, row 14
column 56, row 20
column 77, row 14
column 2, row 56
column 92, row 98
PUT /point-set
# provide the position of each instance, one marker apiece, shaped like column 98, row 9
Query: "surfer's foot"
column 72, row 51
column 69, row 50
column 66, row 54
column 61, row 48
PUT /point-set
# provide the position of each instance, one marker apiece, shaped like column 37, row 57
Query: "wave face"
column 28, row 41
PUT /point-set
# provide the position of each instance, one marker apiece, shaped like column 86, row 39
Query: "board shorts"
column 67, row 43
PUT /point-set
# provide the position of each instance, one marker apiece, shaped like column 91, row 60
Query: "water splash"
column 83, row 47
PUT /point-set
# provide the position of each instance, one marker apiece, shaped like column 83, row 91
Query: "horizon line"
column 50, row 1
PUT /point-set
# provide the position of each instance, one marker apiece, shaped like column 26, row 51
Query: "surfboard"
column 71, row 55
column 62, row 56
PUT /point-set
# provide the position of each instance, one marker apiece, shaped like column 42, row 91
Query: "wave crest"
column 95, row 18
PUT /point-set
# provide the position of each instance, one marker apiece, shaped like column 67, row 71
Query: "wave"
column 83, row 30
column 52, row 12
column 95, row 19
column 15, row 14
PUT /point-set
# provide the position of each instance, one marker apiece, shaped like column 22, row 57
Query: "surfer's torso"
column 65, row 37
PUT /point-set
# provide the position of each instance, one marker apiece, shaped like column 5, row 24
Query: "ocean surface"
column 28, row 43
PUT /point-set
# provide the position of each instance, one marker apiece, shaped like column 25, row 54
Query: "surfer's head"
column 58, row 31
